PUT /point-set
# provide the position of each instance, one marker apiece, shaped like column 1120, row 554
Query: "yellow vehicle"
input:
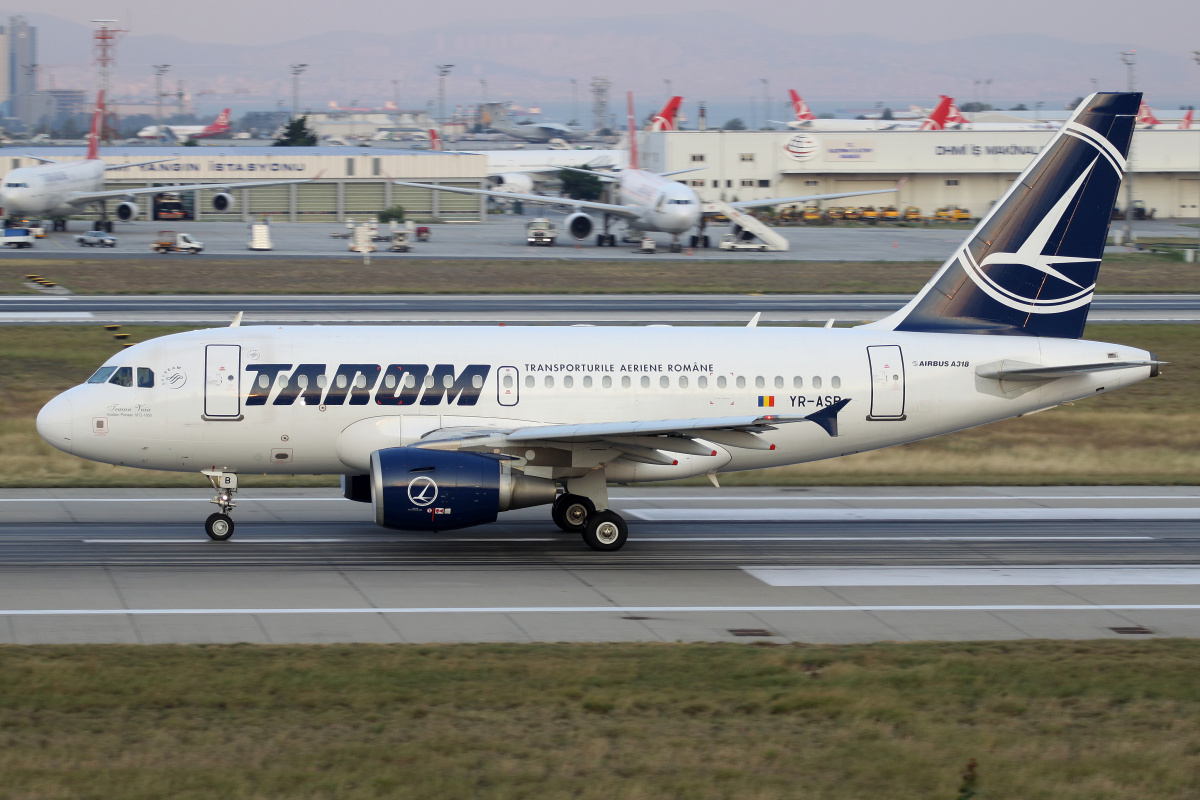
column 889, row 213
column 812, row 214
column 836, row 212
column 852, row 212
column 952, row 214
column 870, row 214
column 912, row 214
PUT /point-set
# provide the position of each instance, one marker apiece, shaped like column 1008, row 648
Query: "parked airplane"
column 181, row 133
column 495, row 116
column 59, row 189
column 646, row 201
column 955, row 120
column 805, row 119
column 443, row 427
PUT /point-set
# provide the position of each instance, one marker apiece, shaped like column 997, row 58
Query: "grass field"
column 1146, row 434
column 1063, row 720
column 676, row 274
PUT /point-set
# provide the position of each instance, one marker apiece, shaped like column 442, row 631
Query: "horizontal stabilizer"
column 1018, row 371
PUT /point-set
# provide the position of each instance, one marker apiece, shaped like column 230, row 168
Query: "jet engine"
column 223, row 201
column 517, row 182
column 580, row 225
column 433, row 490
column 127, row 211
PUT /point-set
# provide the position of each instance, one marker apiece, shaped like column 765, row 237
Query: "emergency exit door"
column 887, row 382
column 222, row 381
column 508, row 386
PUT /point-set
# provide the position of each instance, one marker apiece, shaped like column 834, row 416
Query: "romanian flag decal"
column 766, row 401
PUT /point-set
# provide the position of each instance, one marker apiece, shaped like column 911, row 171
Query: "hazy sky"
column 1169, row 25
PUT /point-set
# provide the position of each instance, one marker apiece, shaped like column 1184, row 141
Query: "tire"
column 571, row 512
column 605, row 531
column 218, row 526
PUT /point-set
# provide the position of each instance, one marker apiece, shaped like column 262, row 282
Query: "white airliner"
column 805, row 119
column 646, row 202
column 442, row 427
column 956, row 121
column 181, row 133
column 59, row 189
column 496, row 117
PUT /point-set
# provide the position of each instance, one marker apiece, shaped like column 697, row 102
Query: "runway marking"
column 977, row 576
column 564, row 537
column 62, row 612
column 309, row 541
column 658, row 499
column 908, row 514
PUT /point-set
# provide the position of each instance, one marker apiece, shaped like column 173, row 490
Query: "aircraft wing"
column 43, row 160
column 113, row 194
column 773, row 201
column 645, row 441
column 562, row 202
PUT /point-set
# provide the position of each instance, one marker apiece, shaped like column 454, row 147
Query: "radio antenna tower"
column 600, row 117
column 104, row 56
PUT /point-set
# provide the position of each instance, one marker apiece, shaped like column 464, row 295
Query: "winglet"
column 237, row 321
column 753, row 323
column 827, row 416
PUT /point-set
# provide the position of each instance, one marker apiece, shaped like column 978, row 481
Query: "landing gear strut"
column 575, row 511
column 219, row 526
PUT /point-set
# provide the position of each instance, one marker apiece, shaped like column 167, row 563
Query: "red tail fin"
column 665, row 120
column 220, row 124
column 1186, row 122
column 800, row 108
column 435, row 140
column 940, row 115
column 1145, row 115
column 953, row 115
column 633, row 153
column 93, row 151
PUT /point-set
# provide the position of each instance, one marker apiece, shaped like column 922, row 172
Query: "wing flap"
column 1022, row 371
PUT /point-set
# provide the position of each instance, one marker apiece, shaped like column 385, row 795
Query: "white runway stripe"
column 62, row 612
column 977, row 576
column 907, row 514
column 566, row 537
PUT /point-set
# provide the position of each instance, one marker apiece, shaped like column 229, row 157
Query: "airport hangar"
column 970, row 169
column 350, row 182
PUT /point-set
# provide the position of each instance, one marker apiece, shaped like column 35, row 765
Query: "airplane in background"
column 1147, row 120
column 646, row 201
column 955, row 120
column 807, row 120
column 182, row 133
column 59, row 189
column 443, row 427
column 495, row 117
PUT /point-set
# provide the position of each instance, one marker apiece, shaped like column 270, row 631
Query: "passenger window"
column 508, row 382
column 447, row 381
column 263, row 381
column 410, row 380
column 664, row 382
column 549, row 381
column 429, row 381
column 322, row 381
column 645, row 381
column 702, row 381
column 741, row 382
column 778, row 381
column 816, row 382
column 282, row 381
column 341, row 381
column 721, row 381
column 683, row 381
column 529, row 382
column 302, row 381
column 625, row 382
column 835, row 382
column 390, row 381
column 568, row 382
column 607, row 382
column 145, row 378
column 587, row 381
column 360, row 382
column 798, row 382
column 759, row 382
column 122, row 377
column 102, row 375
column 477, row 381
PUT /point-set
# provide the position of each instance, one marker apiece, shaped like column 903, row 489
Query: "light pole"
column 1129, row 59
column 766, row 101
column 574, row 102
column 297, row 71
column 396, row 94
column 442, row 70
column 159, row 71
column 1196, row 58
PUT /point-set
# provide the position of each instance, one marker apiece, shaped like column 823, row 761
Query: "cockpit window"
column 684, row 202
column 122, row 377
column 102, row 375
column 145, row 378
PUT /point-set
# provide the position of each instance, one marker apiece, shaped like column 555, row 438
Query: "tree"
column 297, row 134
column 394, row 213
column 1019, row 107
column 604, row 132
column 735, row 124
column 826, row 115
column 578, row 186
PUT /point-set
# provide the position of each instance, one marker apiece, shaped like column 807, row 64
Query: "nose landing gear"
column 219, row 526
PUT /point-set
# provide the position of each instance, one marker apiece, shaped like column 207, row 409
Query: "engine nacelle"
column 433, row 490
column 580, row 225
column 127, row 211
column 517, row 182
column 223, row 201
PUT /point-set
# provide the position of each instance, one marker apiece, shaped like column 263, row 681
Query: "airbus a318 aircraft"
column 646, row 202
column 444, row 427
column 59, row 189
column 182, row 133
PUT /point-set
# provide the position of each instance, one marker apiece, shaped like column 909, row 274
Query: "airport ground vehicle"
column 423, row 233
column 912, row 214
column 889, row 213
column 812, row 214
column 541, row 231
column 852, row 214
column 870, row 214
column 96, row 239
column 1139, row 211
column 730, row 241
column 400, row 242
column 648, row 245
column 172, row 242
column 18, row 237
column 836, row 212
column 952, row 214
column 37, row 228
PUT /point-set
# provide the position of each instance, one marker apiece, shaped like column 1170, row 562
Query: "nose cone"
column 54, row 423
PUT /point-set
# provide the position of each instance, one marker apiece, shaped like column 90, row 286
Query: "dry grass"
column 1146, row 434
column 1061, row 720
column 1121, row 273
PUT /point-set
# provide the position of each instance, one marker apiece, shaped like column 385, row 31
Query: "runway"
column 746, row 564
column 520, row 309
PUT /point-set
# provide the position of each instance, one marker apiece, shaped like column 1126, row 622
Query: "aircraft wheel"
column 570, row 512
column 695, row 241
column 218, row 526
column 704, row 241
column 605, row 531
column 676, row 247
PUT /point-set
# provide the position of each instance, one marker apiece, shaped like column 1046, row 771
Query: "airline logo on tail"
column 953, row 115
column 435, row 140
column 665, row 120
column 800, row 108
column 220, row 124
column 940, row 115
column 1145, row 115
column 1186, row 123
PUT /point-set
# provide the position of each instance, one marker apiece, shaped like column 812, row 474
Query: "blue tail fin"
column 1030, row 266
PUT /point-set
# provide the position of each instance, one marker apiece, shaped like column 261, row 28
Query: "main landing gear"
column 601, row 530
column 219, row 526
